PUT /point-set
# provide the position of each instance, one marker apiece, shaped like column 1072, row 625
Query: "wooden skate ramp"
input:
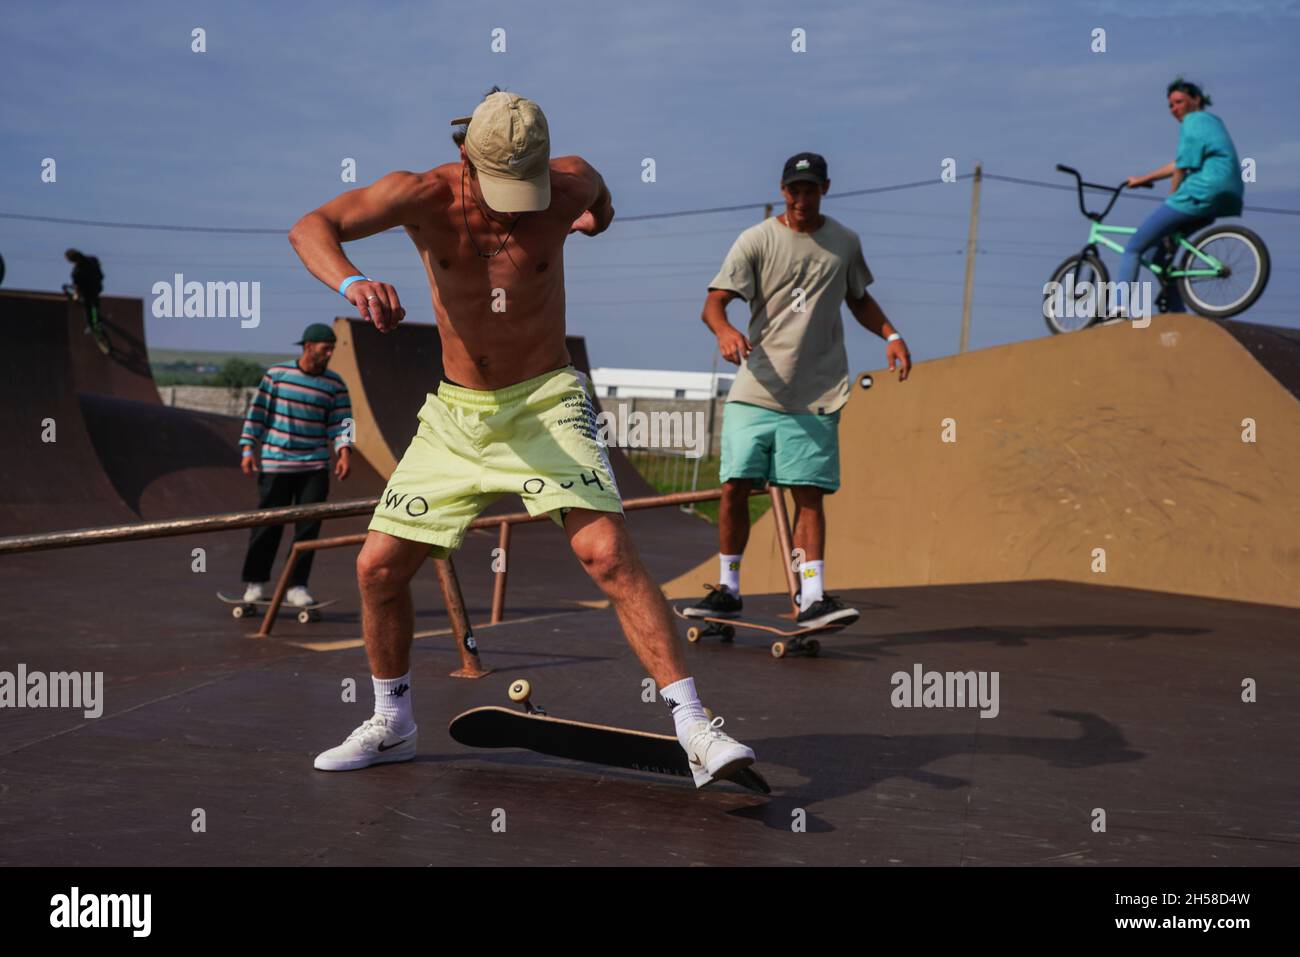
column 1119, row 439
column 119, row 454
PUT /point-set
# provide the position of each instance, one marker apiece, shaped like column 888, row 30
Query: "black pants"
column 275, row 490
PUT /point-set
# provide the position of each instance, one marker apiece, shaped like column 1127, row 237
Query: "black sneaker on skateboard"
column 829, row 612
column 718, row 603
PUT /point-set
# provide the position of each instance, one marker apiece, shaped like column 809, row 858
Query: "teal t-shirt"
column 1212, row 183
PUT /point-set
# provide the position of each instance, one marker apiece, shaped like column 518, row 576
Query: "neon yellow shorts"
column 535, row 439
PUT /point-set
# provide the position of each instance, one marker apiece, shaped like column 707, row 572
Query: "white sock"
column 729, row 573
column 811, row 584
column 393, row 701
column 685, row 704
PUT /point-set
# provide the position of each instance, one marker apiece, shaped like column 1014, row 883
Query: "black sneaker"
column 830, row 612
column 718, row 603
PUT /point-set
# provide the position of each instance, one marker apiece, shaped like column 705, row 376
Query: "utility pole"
column 970, row 258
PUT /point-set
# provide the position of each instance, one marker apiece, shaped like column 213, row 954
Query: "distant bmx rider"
column 781, row 424
column 87, row 283
column 1207, row 184
column 297, row 415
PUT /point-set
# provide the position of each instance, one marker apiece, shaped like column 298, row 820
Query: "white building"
column 659, row 383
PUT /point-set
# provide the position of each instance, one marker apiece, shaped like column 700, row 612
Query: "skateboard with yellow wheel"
column 534, row 730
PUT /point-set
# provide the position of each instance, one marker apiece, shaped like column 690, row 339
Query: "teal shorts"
column 784, row 448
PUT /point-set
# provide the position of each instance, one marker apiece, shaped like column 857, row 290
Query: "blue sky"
column 252, row 134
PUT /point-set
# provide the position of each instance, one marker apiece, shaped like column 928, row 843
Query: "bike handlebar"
column 1113, row 190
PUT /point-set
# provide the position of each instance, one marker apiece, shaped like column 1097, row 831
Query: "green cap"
column 316, row 332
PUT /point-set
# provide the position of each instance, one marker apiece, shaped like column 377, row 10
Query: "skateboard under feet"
column 796, row 639
column 306, row 614
column 534, row 730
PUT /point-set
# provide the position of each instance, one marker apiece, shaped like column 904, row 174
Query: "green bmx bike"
column 1219, row 273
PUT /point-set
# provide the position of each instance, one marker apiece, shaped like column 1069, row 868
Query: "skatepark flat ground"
column 1122, row 700
column 1110, row 698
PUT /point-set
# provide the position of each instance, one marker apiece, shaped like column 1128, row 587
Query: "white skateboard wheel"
column 520, row 690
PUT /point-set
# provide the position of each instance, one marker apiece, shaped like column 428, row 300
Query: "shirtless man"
column 511, row 416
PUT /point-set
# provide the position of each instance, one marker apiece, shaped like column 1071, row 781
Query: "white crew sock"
column 811, row 584
column 729, row 573
column 393, row 701
column 685, row 704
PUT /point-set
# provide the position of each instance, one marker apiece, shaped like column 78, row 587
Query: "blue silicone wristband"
column 343, row 286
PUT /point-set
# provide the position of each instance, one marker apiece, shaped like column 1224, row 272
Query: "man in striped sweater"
column 300, row 411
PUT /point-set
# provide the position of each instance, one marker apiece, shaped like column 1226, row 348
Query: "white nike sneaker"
column 255, row 591
column 300, row 596
column 714, row 754
column 375, row 742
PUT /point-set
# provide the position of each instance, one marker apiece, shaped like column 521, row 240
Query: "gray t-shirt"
column 794, row 284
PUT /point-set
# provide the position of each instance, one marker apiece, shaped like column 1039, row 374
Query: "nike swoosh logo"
column 696, row 761
column 389, row 747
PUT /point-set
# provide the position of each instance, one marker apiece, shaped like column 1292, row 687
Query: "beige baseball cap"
column 510, row 146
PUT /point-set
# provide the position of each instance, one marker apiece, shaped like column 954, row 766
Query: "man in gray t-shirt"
column 782, row 416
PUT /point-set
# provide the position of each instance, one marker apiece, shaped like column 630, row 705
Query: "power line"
column 1146, row 199
column 645, row 217
column 270, row 231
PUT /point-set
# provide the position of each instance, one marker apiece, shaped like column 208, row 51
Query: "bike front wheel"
column 1075, row 294
column 1242, row 281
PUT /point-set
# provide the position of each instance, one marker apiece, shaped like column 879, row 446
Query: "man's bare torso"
column 501, row 318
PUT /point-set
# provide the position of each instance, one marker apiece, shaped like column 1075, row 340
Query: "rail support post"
column 470, row 665
column 499, row 585
column 784, row 541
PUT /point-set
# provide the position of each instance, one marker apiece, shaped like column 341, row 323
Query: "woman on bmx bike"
column 1207, row 184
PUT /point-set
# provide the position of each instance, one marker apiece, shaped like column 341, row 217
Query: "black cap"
column 804, row 166
column 316, row 332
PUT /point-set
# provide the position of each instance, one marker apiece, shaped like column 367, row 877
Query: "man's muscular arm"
column 597, row 202
column 318, row 238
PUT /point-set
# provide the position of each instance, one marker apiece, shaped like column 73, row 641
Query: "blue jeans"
column 1157, row 226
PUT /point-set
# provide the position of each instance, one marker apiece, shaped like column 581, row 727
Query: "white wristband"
column 893, row 336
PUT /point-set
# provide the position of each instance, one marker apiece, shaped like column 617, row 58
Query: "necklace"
column 470, row 233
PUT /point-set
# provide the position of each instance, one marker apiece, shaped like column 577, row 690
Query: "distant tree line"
column 234, row 374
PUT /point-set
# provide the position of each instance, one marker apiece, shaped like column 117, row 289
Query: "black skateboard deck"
column 495, row 727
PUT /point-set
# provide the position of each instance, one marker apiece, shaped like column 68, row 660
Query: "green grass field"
column 679, row 475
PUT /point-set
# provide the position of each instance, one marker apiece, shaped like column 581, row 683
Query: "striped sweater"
column 295, row 417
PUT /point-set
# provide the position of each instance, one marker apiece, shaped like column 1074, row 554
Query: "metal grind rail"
column 471, row 665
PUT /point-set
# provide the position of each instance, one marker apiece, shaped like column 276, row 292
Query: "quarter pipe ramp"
column 118, row 453
column 1163, row 458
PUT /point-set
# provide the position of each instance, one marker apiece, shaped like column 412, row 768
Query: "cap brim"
column 516, row 195
column 802, row 178
column 461, row 121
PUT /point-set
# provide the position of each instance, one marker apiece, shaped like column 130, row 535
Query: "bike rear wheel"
column 1248, row 266
column 1074, row 277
